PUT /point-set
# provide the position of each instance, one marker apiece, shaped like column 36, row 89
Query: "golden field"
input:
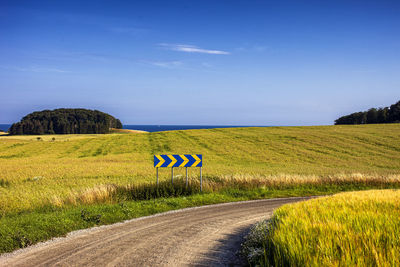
column 347, row 229
column 60, row 168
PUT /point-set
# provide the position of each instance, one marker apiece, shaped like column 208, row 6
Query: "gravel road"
column 203, row 236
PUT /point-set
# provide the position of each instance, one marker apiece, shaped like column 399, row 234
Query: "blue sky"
column 200, row 62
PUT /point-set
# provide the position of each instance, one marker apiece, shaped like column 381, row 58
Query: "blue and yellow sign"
column 173, row 161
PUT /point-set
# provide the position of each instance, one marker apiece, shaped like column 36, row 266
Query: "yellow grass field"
column 347, row 229
column 38, row 172
column 113, row 130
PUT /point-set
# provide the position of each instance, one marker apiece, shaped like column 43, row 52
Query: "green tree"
column 65, row 121
column 382, row 115
column 372, row 116
column 394, row 112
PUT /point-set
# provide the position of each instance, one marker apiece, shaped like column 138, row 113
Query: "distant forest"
column 65, row 121
column 382, row 115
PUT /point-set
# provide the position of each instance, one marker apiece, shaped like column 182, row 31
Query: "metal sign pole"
column 157, row 175
column 201, row 180
column 172, row 175
column 187, row 179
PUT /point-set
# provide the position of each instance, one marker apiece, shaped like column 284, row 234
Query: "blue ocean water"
column 158, row 128
column 161, row 128
column 5, row 127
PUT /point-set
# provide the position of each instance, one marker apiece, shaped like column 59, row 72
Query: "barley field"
column 347, row 229
column 45, row 170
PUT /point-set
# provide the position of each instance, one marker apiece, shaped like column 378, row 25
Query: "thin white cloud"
column 166, row 64
column 192, row 49
column 35, row 69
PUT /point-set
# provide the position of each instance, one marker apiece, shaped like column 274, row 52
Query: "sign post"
column 201, row 180
column 187, row 178
column 173, row 161
column 157, row 176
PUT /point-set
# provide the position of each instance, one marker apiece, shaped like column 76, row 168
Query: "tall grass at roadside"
column 115, row 193
column 112, row 193
column 347, row 229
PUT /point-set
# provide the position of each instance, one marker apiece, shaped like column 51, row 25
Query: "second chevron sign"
column 173, row 161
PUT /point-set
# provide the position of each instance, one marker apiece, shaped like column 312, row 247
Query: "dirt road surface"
column 203, row 236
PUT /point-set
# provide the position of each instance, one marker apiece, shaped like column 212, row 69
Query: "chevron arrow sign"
column 161, row 161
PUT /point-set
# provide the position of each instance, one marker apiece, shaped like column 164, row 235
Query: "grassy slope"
column 37, row 175
column 347, row 229
column 39, row 172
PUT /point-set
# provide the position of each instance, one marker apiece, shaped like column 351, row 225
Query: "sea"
column 161, row 128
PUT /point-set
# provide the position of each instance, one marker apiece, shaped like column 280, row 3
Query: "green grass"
column 75, row 172
column 347, row 229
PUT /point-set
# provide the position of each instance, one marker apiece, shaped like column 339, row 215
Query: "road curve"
column 202, row 236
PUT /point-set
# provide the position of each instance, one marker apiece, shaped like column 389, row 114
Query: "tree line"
column 381, row 115
column 65, row 121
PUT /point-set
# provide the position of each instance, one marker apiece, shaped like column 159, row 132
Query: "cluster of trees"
column 66, row 121
column 382, row 115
